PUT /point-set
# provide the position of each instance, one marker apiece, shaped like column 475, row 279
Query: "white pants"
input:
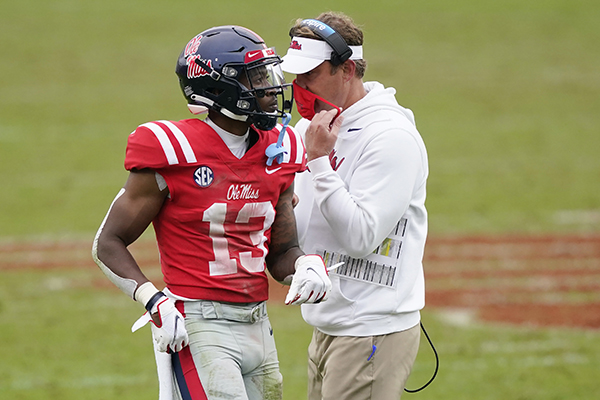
column 226, row 358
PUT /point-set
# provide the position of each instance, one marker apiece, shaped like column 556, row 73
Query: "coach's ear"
column 295, row 200
column 349, row 68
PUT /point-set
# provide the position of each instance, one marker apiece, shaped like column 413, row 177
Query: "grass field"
column 506, row 95
column 69, row 333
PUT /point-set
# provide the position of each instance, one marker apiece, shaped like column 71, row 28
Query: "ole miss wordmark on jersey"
column 214, row 229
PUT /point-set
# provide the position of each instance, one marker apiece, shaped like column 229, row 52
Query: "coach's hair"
column 342, row 24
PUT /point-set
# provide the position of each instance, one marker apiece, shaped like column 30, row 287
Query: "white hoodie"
column 365, row 205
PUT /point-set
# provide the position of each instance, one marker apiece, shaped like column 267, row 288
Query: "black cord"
column 437, row 364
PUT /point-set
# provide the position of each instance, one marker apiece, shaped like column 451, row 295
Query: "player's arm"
column 284, row 248
column 131, row 213
column 306, row 274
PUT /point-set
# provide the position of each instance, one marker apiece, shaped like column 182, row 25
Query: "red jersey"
column 213, row 232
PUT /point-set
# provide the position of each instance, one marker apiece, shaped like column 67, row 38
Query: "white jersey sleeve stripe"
column 299, row 148
column 288, row 146
column 188, row 152
column 166, row 144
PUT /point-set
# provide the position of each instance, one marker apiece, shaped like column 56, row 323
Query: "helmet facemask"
column 265, row 96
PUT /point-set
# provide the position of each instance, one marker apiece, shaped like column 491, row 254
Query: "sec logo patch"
column 203, row 176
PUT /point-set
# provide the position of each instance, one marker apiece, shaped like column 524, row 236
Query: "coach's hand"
column 168, row 327
column 310, row 283
column 322, row 133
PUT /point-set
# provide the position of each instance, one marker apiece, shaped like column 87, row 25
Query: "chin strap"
column 275, row 151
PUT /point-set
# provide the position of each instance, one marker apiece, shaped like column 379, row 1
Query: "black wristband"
column 153, row 300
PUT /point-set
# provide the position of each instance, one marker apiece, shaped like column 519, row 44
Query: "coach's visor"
column 306, row 54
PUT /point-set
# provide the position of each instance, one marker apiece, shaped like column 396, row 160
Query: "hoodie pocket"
column 335, row 311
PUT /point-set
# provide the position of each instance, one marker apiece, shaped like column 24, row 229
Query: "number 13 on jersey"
column 252, row 220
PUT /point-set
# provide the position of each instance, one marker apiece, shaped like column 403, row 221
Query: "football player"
column 219, row 194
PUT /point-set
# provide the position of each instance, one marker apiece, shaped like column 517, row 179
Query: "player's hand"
column 310, row 283
column 168, row 327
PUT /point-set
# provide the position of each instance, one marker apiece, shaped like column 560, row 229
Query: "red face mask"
column 305, row 102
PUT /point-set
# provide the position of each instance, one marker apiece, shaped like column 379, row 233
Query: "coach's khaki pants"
column 361, row 368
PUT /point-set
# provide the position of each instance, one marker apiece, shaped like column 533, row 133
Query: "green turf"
column 505, row 94
column 66, row 338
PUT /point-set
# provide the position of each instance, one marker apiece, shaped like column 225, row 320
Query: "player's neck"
column 232, row 126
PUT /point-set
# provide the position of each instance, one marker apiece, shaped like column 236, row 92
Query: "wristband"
column 145, row 292
column 153, row 300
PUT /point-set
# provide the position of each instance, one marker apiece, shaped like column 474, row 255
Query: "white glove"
column 169, row 334
column 310, row 283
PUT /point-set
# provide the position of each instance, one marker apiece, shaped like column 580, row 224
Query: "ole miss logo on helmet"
column 192, row 46
column 295, row 45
